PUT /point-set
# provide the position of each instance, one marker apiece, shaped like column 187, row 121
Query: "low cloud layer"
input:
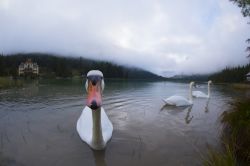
column 165, row 37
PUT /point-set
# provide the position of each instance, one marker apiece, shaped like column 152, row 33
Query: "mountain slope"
column 61, row 66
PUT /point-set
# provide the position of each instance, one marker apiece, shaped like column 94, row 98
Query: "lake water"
column 37, row 124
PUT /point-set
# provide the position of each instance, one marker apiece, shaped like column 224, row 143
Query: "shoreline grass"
column 237, row 129
column 7, row 82
column 242, row 86
column 235, row 137
column 217, row 158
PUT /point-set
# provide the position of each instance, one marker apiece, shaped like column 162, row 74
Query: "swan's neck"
column 97, row 138
column 190, row 94
column 208, row 90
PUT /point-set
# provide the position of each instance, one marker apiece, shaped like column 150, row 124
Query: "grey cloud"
column 160, row 36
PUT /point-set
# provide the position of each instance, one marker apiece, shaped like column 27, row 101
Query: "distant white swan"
column 180, row 100
column 200, row 94
column 94, row 126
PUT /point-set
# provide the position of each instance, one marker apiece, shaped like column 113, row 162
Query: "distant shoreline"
column 51, row 65
column 8, row 82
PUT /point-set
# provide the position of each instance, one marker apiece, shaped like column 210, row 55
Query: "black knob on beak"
column 93, row 105
column 94, row 82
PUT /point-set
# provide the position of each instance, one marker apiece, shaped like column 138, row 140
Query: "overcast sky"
column 162, row 36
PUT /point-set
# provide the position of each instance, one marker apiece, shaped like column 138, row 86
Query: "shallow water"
column 37, row 124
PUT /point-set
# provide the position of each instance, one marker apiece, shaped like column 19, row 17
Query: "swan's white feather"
column 199, row 94
column 177, row 101
column 85, row 125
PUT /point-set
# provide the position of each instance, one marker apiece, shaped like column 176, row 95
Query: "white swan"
column 94, row 126
column 180, row 100
column 201, row 94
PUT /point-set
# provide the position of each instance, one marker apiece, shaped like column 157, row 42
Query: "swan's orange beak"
column 94, row 99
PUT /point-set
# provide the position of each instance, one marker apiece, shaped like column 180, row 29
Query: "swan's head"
column 210, row 82
column 94, row 86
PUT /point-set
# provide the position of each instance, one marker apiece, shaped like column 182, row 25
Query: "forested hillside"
column 227, row 75
column 59, row 66
column 233, row 74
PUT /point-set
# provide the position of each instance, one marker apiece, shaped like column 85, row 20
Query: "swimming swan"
column 201, row 94
column 94, row 126
column 180, row 100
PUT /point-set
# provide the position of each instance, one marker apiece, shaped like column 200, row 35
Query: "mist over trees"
column 234, row 74
column 227, row 75
column 59, row 66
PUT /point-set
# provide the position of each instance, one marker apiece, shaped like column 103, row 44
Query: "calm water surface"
column 37, row 124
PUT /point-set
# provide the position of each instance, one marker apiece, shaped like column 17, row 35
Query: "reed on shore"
column 235, row 137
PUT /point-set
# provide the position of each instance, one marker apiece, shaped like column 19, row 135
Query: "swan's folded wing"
column 107, row 127
column 84, row 125
column 177, row 101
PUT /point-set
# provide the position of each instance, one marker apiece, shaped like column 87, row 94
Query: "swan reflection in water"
column 99, row 157
column 173, row 110
column 206, row 106
column 188, row 119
